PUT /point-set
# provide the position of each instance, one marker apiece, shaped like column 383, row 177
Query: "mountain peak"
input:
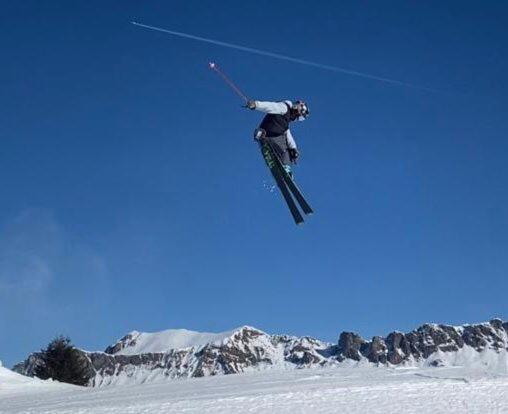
column 136, row 342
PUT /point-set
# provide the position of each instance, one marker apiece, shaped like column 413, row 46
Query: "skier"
column 277, row 144
column 275, row 127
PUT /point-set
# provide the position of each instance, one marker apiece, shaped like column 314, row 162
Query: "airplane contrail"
column 284, row 57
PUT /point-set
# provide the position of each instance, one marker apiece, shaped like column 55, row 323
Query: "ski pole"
column 214, row 67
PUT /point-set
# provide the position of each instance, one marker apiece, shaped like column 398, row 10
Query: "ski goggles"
column 303, row 110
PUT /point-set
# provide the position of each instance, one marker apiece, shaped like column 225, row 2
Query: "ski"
column 306, row 208
column 271, row 162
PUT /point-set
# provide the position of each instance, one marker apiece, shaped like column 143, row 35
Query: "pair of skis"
column 285, row 183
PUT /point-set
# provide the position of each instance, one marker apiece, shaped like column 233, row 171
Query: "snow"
column 12, row 383
column 487, row 360
column 159, row 342
column 462, row 381
column 318, row 390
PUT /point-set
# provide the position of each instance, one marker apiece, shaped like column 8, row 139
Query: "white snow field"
column 13, row 384
column 317, row 390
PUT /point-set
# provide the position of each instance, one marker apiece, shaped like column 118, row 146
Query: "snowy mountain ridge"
column 140, row 357
column 144, row 342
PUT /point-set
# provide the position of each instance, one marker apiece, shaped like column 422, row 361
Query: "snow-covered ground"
column 12, row 385
column 317, row 390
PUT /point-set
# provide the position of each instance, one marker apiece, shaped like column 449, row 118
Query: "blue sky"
column 133, row 196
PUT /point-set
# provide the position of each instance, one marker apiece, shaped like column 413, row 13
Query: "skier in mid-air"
column 275, row 127
column 277, row 144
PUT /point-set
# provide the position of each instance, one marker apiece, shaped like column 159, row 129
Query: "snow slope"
column 159, row 342
column 12, row 384
column 315, row 390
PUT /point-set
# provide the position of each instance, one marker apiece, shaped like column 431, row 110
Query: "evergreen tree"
column 62, row 362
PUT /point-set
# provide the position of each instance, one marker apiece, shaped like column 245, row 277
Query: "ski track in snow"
column 317, row 390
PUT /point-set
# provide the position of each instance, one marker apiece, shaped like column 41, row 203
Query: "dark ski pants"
column 280, row 146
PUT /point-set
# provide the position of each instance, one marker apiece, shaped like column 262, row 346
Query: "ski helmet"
column 301, row 109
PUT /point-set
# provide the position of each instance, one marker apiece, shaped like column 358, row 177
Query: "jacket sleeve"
column 291, row 141
column 278, row 108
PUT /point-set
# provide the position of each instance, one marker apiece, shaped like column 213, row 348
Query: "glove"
column 250, row 104
column 293, row 154
column 259, row 134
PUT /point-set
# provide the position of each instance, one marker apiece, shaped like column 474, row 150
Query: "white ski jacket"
column 279, row 108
